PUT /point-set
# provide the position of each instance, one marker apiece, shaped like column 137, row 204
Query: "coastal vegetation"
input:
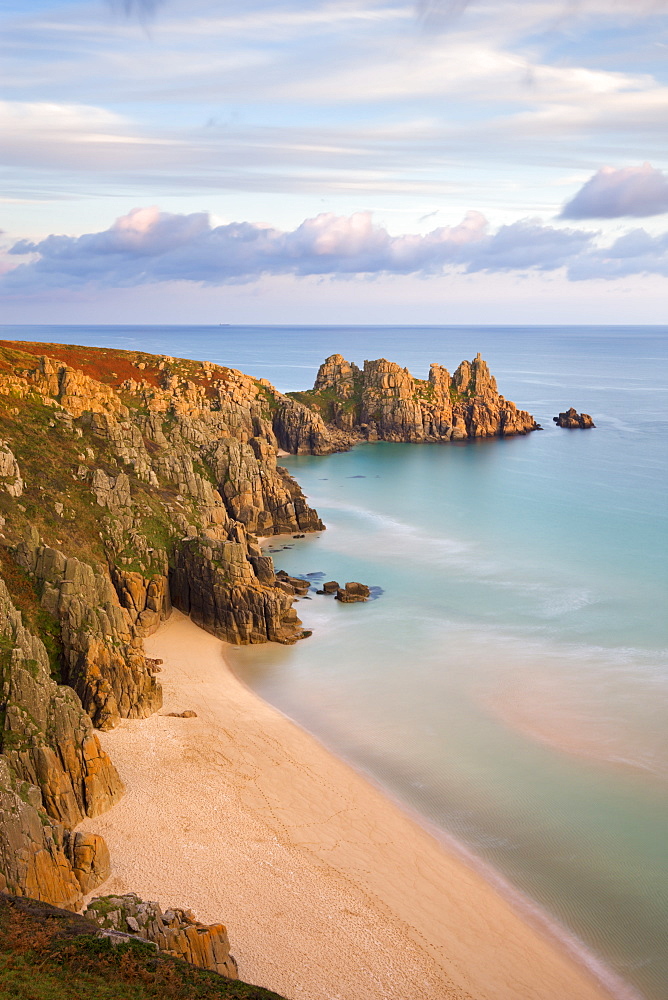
column 51, row 954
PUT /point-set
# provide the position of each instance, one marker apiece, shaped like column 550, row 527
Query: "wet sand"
column 329, row 891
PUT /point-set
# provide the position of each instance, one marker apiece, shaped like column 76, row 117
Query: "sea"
column 508, row 682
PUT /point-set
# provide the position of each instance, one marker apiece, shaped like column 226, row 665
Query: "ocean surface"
column 509, row 683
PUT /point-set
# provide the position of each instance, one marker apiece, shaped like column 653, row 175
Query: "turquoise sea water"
column 510, row 684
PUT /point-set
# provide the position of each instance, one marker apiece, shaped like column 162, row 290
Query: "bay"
column 510, row 683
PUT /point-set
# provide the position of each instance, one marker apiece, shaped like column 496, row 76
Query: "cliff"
column 130, row 482
column 127, row 482
column 53, row 772
column 384, row 402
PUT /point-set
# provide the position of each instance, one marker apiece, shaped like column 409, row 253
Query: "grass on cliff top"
column 44, row 956
column 109, row 365
column 48, row 457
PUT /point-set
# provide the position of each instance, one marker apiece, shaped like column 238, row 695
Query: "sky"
column 345, row 161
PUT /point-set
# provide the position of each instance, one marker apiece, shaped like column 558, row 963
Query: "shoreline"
column 328, row 888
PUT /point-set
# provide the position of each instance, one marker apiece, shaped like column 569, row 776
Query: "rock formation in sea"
column 352, row 593
column 384, row 402
column 571, row 418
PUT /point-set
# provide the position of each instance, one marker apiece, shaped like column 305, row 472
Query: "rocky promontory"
column 384, row 402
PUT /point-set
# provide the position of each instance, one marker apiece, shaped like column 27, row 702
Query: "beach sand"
column 328, row 890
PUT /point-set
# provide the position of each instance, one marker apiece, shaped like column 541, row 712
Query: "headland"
column 133, row 489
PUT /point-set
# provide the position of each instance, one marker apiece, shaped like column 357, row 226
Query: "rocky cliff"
column 385, row 402
column 128, row 482
column 53, row 772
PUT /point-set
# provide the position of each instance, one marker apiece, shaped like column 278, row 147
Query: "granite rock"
column 571, row 418
column 385, row 402
column 174, row 931
column 353, row 592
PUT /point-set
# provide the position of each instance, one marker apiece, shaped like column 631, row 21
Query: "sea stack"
column 571, row 418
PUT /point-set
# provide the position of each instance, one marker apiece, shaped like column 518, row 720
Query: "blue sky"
column 356, row 161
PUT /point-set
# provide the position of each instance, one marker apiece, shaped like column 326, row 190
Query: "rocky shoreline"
column 131, row 484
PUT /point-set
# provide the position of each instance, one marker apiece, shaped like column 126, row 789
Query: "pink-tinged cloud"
column 148, row 246
column 613, row 194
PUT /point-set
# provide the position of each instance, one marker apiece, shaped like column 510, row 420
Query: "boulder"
column 353, row 592
column 571, row 418
column 295, row 583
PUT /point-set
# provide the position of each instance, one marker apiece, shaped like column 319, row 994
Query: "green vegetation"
column 424, row 390
column 25, row 594
column 328, row 402
column 48, row 954
column 268, row 399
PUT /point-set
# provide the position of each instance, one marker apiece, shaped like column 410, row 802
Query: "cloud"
column 635, row 252
column 142, row 8
column 530, row 245
column 152, row 246
column 612, row 194
column 148, row 247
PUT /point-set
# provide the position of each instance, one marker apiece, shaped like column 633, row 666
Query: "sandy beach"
column 328, row 890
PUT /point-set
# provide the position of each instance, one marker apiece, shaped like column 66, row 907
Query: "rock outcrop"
column 10, row 474
column 45, row 948
column 352, row 593
column 230, row 589
column 104, row 659
column 175, row 931
column 385, row 402
column 571, row 418
column 53, row 772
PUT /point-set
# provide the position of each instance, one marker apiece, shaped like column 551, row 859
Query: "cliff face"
column 127, row 482
column 53, row 772
column 385, row 402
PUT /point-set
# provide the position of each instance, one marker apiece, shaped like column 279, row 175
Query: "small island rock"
column 571, row 418
column 353, row 592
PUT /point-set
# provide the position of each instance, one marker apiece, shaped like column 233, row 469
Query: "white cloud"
column 613, row 193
